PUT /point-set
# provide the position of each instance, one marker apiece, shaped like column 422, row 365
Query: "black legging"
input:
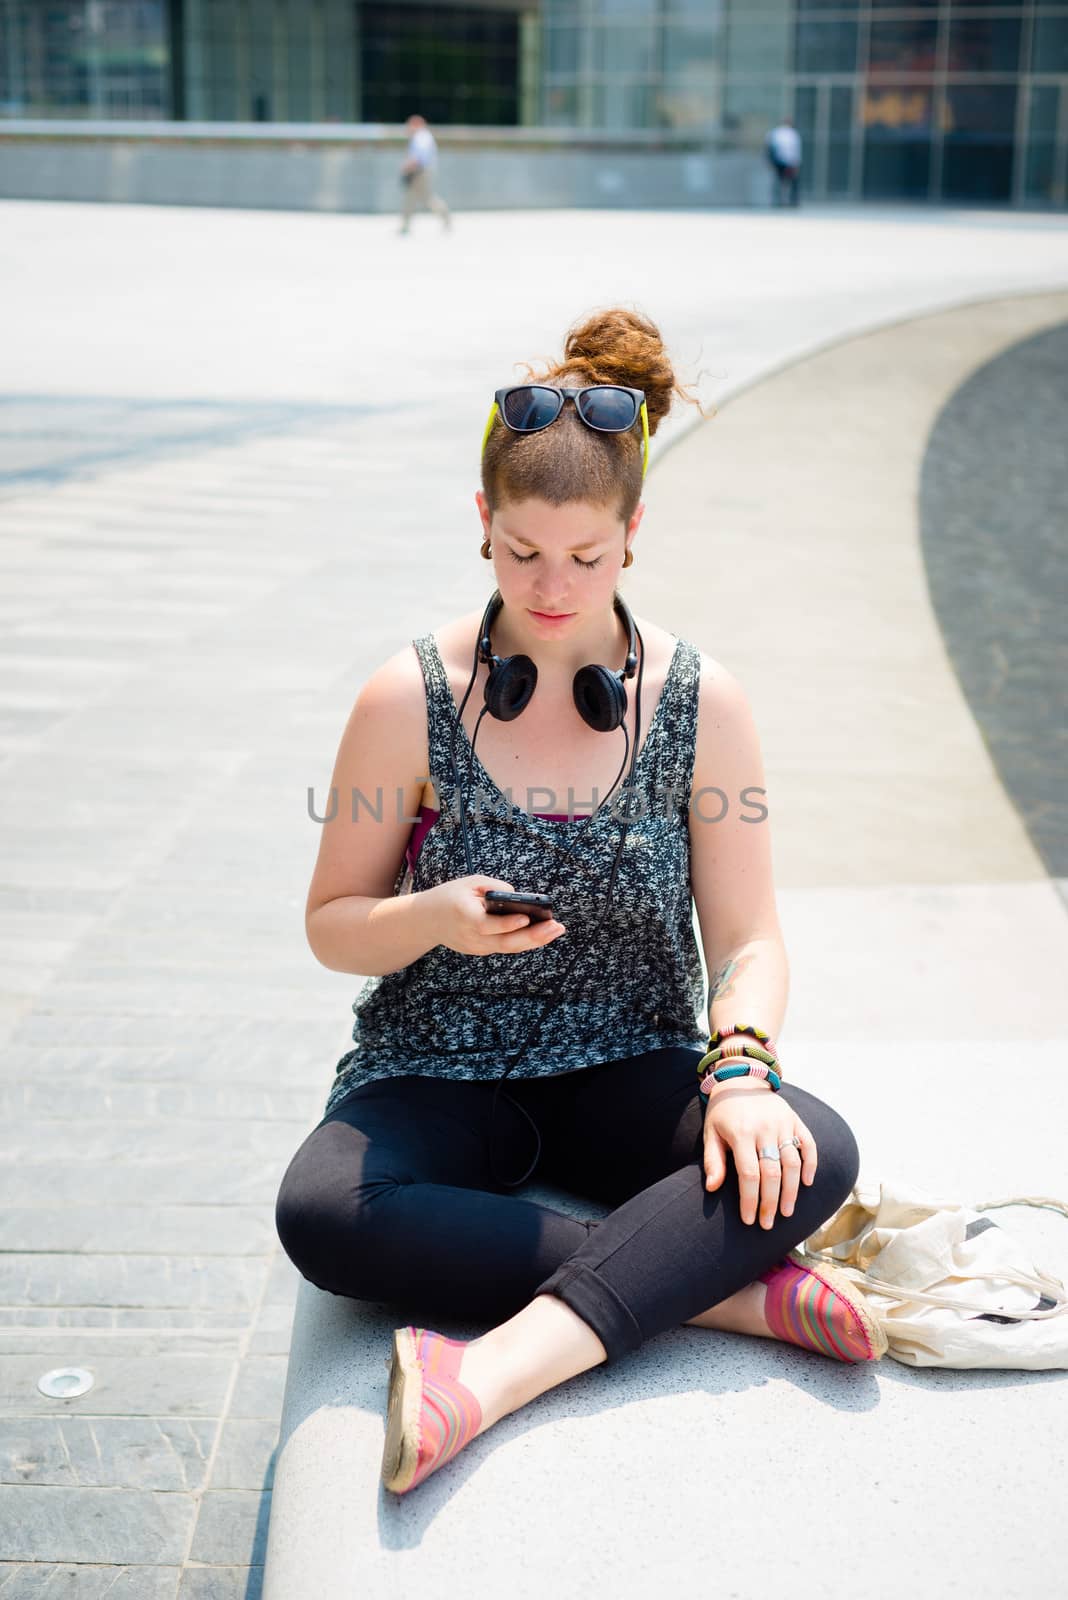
column 390, row 1198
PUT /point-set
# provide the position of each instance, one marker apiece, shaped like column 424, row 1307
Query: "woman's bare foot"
column 742, row 1313
column 547, row 1342
column 543, row 1345
column 482, row 1374
column 818, row 1310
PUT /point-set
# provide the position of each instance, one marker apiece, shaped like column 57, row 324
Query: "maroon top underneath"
column 428, row 815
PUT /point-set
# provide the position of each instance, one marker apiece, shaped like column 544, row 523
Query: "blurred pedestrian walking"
column 783, row 148
column 418, row 173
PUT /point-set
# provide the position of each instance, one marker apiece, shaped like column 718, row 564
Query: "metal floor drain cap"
column 63, row 1383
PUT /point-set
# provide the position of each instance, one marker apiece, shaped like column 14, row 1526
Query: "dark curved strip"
column 45, row 439
column 994, row 532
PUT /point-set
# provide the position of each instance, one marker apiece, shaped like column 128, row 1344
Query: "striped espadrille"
column 818, row 1308
column 431, row 1414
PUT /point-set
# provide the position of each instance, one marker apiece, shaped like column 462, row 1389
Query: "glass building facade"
column 938, row 101
column 84, row 58
column 941, row 102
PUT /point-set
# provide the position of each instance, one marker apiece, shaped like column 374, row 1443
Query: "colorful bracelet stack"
column 722, row 1062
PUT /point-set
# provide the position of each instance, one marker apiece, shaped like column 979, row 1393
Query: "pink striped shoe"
column 819, row 1309
column 431, row 1414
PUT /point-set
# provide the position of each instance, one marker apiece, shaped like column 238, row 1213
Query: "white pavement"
column 186, row 627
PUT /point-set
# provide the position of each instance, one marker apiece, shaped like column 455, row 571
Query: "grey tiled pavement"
column 166, row 1032
column 185, row 622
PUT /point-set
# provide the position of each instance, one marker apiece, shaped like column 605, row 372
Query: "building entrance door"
column 897, row 120
column 1042, row 176
column 823, row 113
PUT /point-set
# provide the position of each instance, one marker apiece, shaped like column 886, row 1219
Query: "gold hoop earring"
column 629, row 557
column 485, row 551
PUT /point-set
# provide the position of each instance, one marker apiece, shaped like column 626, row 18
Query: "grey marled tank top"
column 638, row 984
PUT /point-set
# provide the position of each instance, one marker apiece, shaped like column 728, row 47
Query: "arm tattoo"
column 721, row 983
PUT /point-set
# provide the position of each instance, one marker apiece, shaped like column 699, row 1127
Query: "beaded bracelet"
column 733, row 1049
column 740, row 1027
column 724, row 1075
column 755, row 1051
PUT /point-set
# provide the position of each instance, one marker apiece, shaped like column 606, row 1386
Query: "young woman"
column 509, row 730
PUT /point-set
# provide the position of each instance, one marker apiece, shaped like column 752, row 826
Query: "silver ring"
column 769, row 1155
column 795, row 1141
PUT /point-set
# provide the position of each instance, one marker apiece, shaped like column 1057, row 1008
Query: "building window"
column 562, row 46
column 690, row 48
column 625, row 50
column 984, row 44
column 625, row 105
column 1049, row 51
column 560, row 105
column 898, row 123
column 451, row 64
column 826, row 47
column 910, row 46
column 1040, row 171
column 692, row 54
column 840, row 138
column 979, row 122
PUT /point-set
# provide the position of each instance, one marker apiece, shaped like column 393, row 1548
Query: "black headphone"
column 600, row 694
column 600, row 697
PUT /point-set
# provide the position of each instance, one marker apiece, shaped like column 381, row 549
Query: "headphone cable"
column 582, row 949
column 553, row 999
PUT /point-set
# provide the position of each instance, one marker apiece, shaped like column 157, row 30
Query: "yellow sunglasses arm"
column 489, row 425
column 645, row 441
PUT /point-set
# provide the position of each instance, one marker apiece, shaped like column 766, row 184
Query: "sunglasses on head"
column 604, row 407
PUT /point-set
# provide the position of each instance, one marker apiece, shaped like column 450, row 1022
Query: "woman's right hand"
column 461, row 922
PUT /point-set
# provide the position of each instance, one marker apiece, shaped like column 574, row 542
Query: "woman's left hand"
column 747, row 1116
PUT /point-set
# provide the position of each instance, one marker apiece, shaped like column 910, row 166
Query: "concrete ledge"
column 701, row 1459
column 297, row 166
column 327, row 1493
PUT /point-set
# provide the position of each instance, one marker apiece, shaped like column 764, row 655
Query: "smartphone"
column 500, row 903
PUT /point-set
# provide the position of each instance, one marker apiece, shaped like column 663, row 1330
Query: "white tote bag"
column 949, row 1286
